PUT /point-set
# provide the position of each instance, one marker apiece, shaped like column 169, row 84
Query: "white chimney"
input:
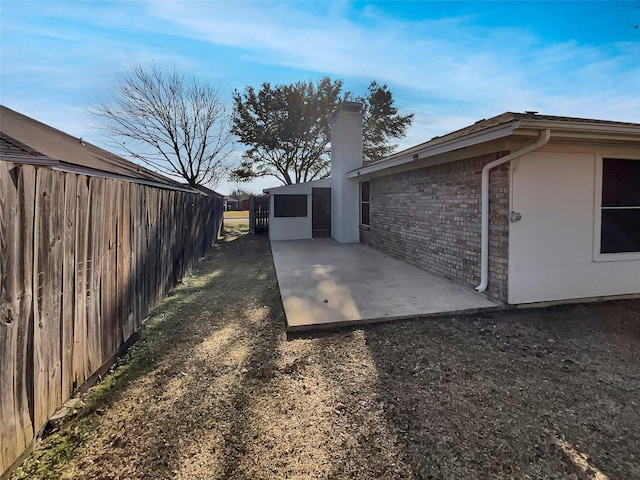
column 346, row 155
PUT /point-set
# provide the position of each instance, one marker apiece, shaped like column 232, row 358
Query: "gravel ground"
column 215, row 389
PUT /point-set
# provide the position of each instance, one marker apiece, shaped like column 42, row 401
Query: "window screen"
column 290, row 205
column 620, row 221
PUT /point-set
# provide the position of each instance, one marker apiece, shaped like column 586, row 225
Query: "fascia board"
column 579, row 127
column 562, row 131
column 594, row 136
column 469, row 140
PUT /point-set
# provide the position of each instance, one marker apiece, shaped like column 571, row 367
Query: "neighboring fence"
column 82, row 261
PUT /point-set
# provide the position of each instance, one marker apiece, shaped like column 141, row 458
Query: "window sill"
column 616, row 257
column 364, row 227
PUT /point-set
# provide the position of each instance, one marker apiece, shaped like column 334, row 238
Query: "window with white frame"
column 364, row 203
column 620, row 207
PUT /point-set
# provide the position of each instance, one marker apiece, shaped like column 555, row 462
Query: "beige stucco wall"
column 551, row 249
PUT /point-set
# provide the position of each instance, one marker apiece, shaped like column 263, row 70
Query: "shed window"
column 620, row 207
column 364, row 203
column 290, row 205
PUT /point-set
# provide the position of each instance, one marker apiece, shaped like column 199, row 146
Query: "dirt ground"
column 216, row 390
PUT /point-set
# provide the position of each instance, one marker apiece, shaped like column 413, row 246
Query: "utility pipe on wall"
column 545, row 136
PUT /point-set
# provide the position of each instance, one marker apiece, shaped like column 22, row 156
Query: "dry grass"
column 237, row 214
column 216, row 390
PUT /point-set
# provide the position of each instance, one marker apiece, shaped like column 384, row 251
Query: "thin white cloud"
column 449, row 59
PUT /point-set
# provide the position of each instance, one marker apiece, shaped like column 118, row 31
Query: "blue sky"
column 450, row 63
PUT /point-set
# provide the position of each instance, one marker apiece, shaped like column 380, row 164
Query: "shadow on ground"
column 491, row 396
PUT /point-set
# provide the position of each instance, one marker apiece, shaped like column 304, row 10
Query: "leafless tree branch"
column 176, row 125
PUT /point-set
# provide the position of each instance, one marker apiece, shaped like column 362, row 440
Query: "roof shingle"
column 23, row 136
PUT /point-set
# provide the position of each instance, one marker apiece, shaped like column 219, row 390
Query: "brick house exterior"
column 521, row 207
column 430, row 217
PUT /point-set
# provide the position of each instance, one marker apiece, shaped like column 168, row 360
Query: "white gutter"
column 543, row 139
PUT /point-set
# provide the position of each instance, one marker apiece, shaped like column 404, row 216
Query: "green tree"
column 286, row 128
column 381, row 123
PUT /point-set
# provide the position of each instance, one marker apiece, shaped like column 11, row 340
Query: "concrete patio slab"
column 323, row 282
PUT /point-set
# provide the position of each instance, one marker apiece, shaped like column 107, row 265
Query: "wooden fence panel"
column 152, row 246
column 68, row 283
column 82, row 262
column 167, row 240
column 47, row 282
column 133, row 253
column 94, row 272
column 108, row 260
column 17, row 191
column 164, row 240
column 184, row 238
column 125, row 287
column 175, row 234
column 24, row 370
column 192, row 254
column 137, row 267
column 82, row 281
column 143, row 255
column 115, row 319
column 198, row 230
column 124, row 261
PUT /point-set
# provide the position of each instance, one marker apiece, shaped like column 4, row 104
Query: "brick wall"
column 430, row 217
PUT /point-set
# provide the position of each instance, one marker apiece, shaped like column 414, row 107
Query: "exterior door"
column 320, row 212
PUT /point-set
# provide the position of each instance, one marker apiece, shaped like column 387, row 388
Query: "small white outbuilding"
column 328, row 207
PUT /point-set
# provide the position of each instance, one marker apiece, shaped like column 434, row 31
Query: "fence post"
column 252, row 214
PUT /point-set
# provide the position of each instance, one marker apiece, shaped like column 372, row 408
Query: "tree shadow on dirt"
column 205, row 365
column 184, row 374
column 487, row 396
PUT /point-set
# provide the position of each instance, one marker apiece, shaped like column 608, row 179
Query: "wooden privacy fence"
column 82, row 261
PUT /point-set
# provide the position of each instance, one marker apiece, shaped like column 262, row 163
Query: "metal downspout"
column 545, row 136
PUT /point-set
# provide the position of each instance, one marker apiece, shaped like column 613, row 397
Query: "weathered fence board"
column 125, row 285
column 68, row 283
column 82, row 261
column 47, row 277
column 109, row 326
column 80, row 354
column 16, row 247
column 94, row 273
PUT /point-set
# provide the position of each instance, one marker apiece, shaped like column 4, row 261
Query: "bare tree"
column 177, row 125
